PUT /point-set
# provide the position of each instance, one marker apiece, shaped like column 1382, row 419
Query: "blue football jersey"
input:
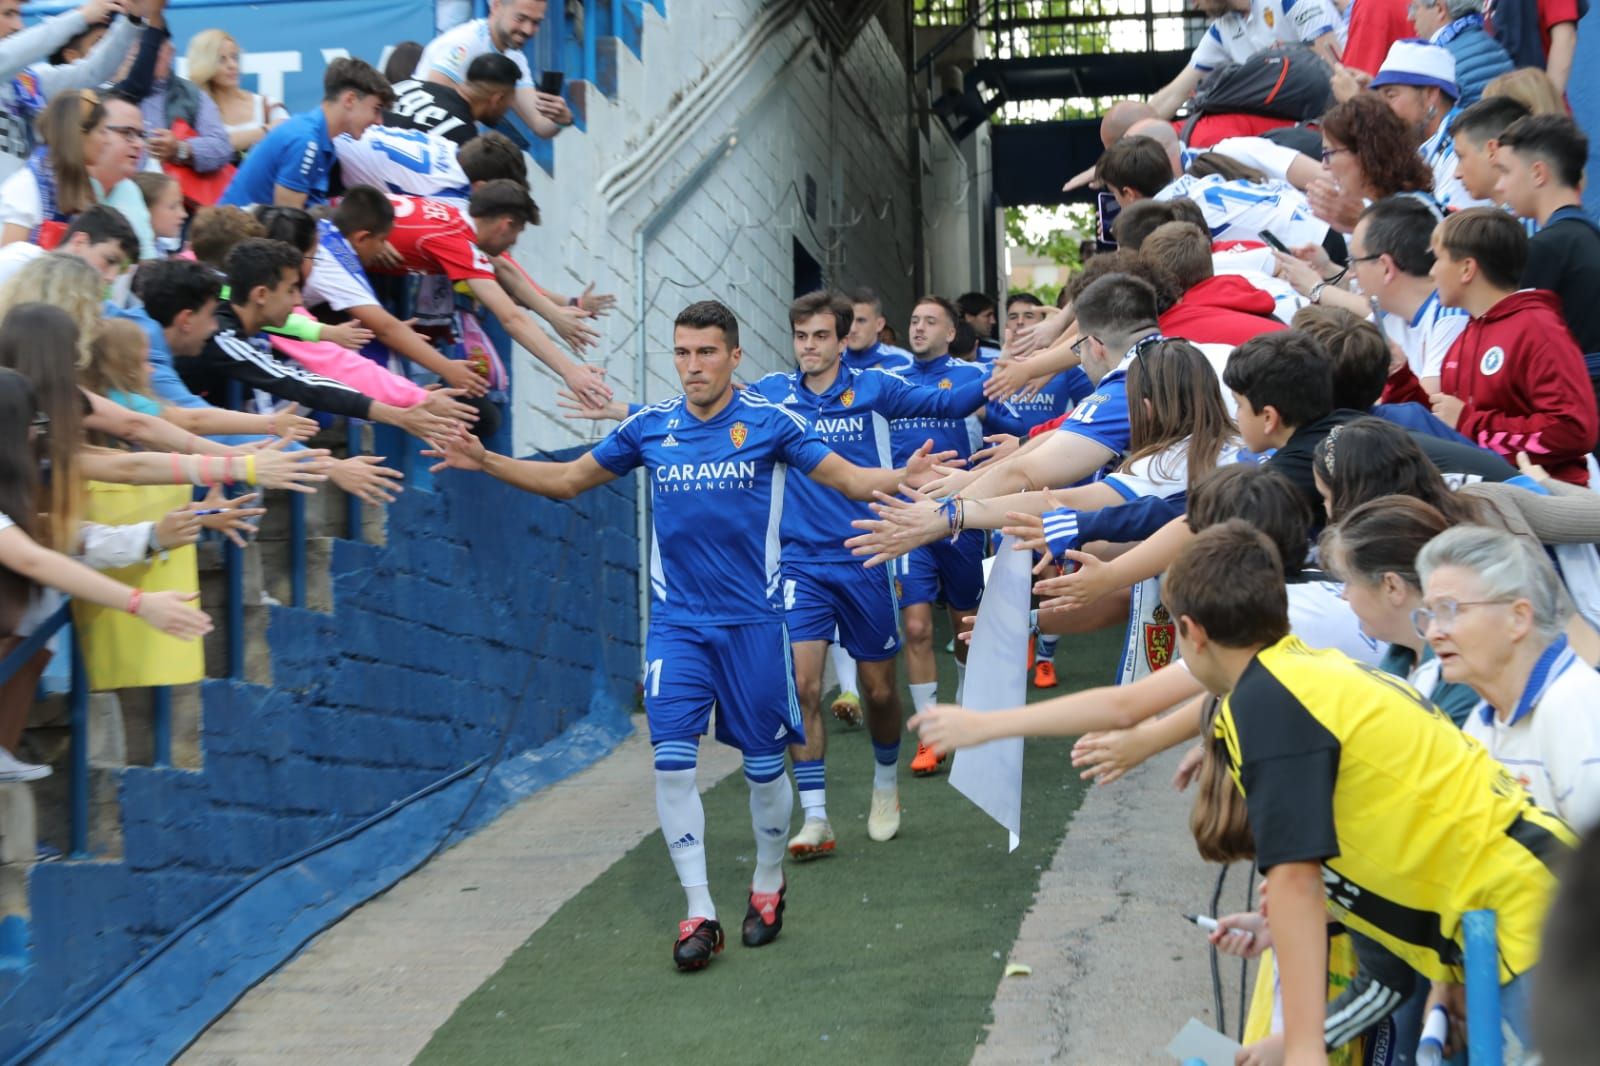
column 880, row 356
column 853, row 418
column 716, row 493
column 1058, row 396
column 963, row 435
column 1103, row 415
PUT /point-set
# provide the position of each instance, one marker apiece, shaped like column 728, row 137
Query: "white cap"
column 1413, row 61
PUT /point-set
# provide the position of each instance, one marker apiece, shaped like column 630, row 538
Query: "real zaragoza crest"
column 946, row 383
column 847, row 397
column 738, row 433
column 1160, row 638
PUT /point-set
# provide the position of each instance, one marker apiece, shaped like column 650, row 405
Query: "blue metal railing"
column 78, row 705
column 1484, row 1041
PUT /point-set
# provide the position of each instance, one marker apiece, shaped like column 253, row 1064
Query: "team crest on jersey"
column 847, row 397
column 899, row 590
column 946, row 383
column 1160, row 638
column 1492, row 361
column 1269, row 17
column 738, row 433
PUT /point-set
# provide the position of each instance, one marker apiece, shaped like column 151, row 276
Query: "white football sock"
column 961, row 681
column 771, row 807
column 844, row 667
column 683, row 825
column 922, row 695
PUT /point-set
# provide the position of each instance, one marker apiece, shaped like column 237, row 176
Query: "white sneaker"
column 14, row 769
column 814, row 840
column 883, row 820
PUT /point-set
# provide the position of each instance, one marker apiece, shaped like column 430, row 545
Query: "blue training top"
column 297, row 155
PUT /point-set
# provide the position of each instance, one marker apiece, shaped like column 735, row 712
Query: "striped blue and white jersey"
column 403, row 162
column 1241, row 210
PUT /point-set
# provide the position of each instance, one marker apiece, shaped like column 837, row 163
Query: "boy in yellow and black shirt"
column 1363, row 799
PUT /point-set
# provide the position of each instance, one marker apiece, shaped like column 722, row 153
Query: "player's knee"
column 918, row 628
column 878, row 690
column 808, row 690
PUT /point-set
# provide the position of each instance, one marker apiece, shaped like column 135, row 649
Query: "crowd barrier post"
column 161, row 726
column 352, row 502
column 297, row 549
column 1484, row 1042
column 78, row 698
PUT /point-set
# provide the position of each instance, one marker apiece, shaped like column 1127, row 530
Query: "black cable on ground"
column 1216, row 969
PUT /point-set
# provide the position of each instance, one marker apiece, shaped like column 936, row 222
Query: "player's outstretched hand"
column 901, row 525
column 460, row 452
column 1083, row 586
column 945, row 727
column 949, row 482
column 616, row 410
column 925, row 464
column 1011, row 377
column 1000, row 445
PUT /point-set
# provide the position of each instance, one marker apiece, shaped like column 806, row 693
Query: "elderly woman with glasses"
column 1494, row 611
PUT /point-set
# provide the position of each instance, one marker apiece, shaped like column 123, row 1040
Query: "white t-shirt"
column 1439, row 152
column 1240, row 210
column 1164, row 474
column 335, row 284
column 13, row 257
column 1554, row 749
column 453, row 51
column 1237, row 36
column 403, row 162
column 1427, row 337
column 19, row 200
column 1319, row 616
column 1258, row 153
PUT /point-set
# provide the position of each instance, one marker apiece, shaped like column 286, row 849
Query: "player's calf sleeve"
column 810, row 778
column 885, row 764
column 771, row 808
column 844, row 667
column 922, row 694
column 683, row 822
column 961, row 681
column 1044, row 649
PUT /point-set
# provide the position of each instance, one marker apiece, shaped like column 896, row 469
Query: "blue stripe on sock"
column 763, row 768
column 886, row 754
column 809, row 774
column 676, row 754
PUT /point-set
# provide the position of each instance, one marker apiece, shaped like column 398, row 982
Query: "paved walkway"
column 1116, row 972
column 373, row 988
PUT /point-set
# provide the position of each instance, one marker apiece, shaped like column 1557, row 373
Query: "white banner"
column 990, row 775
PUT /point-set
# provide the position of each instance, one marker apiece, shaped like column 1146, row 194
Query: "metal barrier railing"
column 78, row 709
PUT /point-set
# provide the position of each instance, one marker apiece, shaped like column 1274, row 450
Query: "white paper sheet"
column 990, row 775
column 1198, row 1041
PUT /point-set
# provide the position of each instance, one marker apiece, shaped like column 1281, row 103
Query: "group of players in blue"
column 754, row 490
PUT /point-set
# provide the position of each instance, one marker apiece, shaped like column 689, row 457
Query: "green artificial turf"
column 890, row 953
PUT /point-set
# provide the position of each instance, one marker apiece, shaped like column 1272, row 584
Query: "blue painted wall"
column 1583, row 93
column 487, row 604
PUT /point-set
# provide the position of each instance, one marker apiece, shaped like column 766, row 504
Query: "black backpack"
column 1290, row 83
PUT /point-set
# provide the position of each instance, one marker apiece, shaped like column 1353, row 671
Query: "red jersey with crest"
column 433, row 237
column 1524, row 384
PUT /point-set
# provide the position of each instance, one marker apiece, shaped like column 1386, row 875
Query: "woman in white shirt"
column 214, row 65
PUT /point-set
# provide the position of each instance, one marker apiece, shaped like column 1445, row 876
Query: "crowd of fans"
column 1361, row 566
column 1326, row 406
column 194, row 281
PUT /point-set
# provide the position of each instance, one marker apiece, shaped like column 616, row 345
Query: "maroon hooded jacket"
column 1524, row 384
column 1225, row 309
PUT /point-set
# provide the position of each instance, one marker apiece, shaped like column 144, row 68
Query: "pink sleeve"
column 357, row 371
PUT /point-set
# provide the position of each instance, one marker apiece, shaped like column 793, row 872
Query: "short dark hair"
column 100, row 223
column 1182, row 248
column 258, row 261
column 503, row 198
column 168, row 286
column 1358, row 350
column 1487, row 119
column 1140, row 219
column 955, row 316
column 1118, row 303
column 824, row 302
column 402, row 62
column 1261, row 496
column 1023, row 298
column 1287, row 371
column 1399, row 227
column 347, row 74
column 1138, row 163
column 1556, row 139
column 292, row 225
column 1251, row 607
column 363, row 208
column 1490, row 237
column 495, row 69
column 965, row 342
column 216, row 230
column 863, row 294
column 705, row 314
column 490, row 156
column 973, row 303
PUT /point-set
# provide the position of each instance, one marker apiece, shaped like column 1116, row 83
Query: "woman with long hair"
column 55, row 184
column 27, row 564
column 215, row 66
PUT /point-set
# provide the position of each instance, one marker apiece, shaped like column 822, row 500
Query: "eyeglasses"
column 128, row 133
column 1077, row 345
column 1443, row 614
column 1354, row 259
column 40, row 421
column 1329, row 153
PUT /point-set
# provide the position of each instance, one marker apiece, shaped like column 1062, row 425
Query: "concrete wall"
column 703, row 156
column 488, row 606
